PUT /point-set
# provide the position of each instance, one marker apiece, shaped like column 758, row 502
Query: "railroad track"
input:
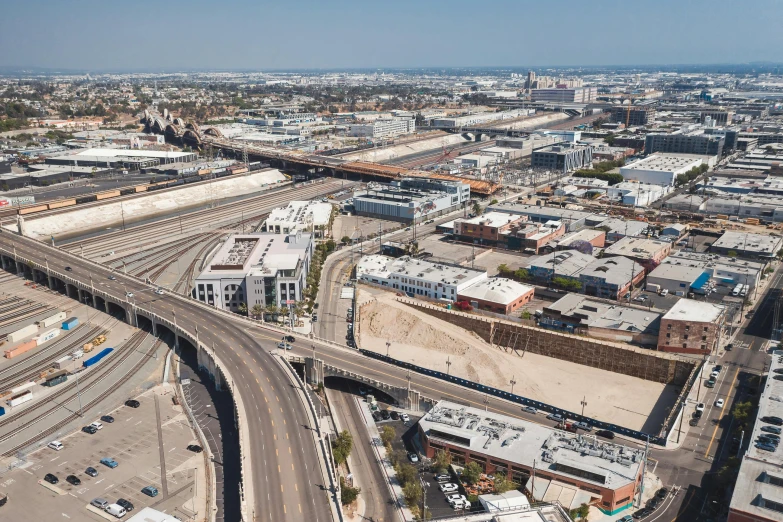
column 185, row 280
column 21, row 372
column 127, row 349
column 23, row 314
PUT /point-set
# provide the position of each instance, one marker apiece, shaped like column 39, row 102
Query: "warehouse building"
column 618, row 228
column 703, row 144
column 659, row 169
column 647, row 252
column 256, row 269
column 571, row 219
column 304, row 216
column 635, row 116
column 637, row 194
column 383, row 128
column 567, row 264
column 677, row 279
column 411, row 199
column 418, row 277
column 131, row 159
column 758, row 493
column 578, row 314
column 594, row 238
column 497, row 294
column 767, row 208
column 488, row 228
column 745, row 244
column 585, row 469
column 611, row 277
column 471, row 120
column 723, row 269
column 563, row 157
column 691, row 327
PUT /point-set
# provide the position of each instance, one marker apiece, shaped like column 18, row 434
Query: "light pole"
column 583, row 403
column 448, row 365
column 512, row 382
column 388, row 344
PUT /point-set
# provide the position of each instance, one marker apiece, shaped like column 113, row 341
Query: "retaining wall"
column 627, row 360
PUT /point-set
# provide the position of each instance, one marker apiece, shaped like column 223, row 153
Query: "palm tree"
column 257, row 310
column 242, row 308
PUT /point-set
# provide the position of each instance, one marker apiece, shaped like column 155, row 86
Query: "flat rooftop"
column 599, row 314
column 133, row 153
column 759, row 488
column 742, row 241
column 695, row 311
column 492, row 219
column 663, row 163
column 384, row 266
column 496, row 290
column 561, row 453
column 636, row 247
column 261, row 253
column 564, row 262
column 562, row 214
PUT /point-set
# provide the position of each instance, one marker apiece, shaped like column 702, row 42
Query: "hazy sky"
column 234, row 34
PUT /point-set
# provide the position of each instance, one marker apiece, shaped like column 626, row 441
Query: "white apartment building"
column 299, row 216
column 383, row 128
column 659, row 169
column 419, row 277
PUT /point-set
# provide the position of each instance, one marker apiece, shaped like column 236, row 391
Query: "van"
column 116, row 510
column 56, row 445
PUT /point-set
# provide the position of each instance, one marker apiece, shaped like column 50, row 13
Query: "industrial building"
column 659, row 169
column 304, row 216
column 564, row 95
column 767, row 208
column 595, row 238
column 566, row 264
column 635, row 116
column 571, row 219
column 417, row 276
column 618, row 228
column 637, row 194
column 677, row 279
column 131, row 159
column 691, row 327
column 723, row 269
column 647, row 252
column 411, row 199
column 745, row 244
column 488, row 228
column 694, row 143
column 497, row 294
column 261, row 268
column 611, row 277
column 591, row 471
column 471, row 120
column 563, row 157
column 383, row 128
column 579, row 314
column 757, row 495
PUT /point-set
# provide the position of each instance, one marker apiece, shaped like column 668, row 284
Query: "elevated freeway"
column 283, row 480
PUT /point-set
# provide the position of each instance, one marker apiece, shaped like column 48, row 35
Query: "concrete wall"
column 628, row 360
column 159, row 203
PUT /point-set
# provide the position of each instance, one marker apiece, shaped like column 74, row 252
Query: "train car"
column 107, row 194
column 86, row 199
column 140, row 188
column 203, row 172
column 125, row 192
column 240, row 170
column 63, row 203
column 95, row 359
column 175, row 183
column 33, row 209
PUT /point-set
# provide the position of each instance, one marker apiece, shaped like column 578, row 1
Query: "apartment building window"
column 687, row 327
column 668, row 327
column 705, row 328
column 668, row 336
column 703, row 337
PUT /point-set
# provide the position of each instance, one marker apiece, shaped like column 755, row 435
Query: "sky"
column 173, row 35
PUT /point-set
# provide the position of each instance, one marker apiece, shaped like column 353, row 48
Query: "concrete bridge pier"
column 314, row 370
column 206, row 362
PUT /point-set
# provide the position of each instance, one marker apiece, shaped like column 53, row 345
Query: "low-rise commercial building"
column 497, row 294
column 533, row 236
column 572, row 219
column 723, row 269
column 647, row 252
column 596, row 472
column 764, row 207
column 490, row 227
column 611, row 277
column 659, row 169
column 637, row 194
column 745, row 244
column 411, row 199
column 579, row 314
column 758, row 493
column 691, row 327
column 305, row 216
column 618, row 228
column 563, row 157
column 256, row 269
column 677, row 279
column 383, row 128
column 418, row 277
column 594, row 238
column 567, row 264
column 688, row 143
column 564, row 95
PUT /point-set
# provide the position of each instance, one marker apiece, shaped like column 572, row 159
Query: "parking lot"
column 149, row 444
column 356, row 226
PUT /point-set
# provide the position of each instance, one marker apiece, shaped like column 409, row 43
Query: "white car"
column 448, row 487
column 719, row 403
column 404, row 417
column 159, row 291
column 97, row 425
column 129, row 295
column 460, row 505
column 56, row 445
column 413, row 457
column 456, row 498
column 700, row 407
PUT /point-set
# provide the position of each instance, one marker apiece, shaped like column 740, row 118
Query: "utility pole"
column 448, row 369
column 513, row 382
column 583, row 403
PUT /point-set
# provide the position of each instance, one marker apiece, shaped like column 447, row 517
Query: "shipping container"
column 86, row 199
column 107, row 194
column 62, row 362
column 22, row 348
column 70, row 323
column 47, row 336
column 752, row 221
column 126, row 191
column 2, row 412
column 49, row 321
column 16, row 390
column 202, row 172
column 33, row 209
column 140, row 188
column 16, row 400
column 97, row 358
column 21, row 333
column 61, row 204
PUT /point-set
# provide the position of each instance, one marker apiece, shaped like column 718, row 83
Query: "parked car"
column 529, row 409
column 413, row 457
column 693, row 422
column 765, row 447
column 92, row 430
column 626, row 518
column 394, row 415
column 97, row 425
column 641, row 513
column 729, row 347
column 719, row 403
column 605, row 434
column 56, row 445
column 771, row 429
column 150, row 491
column 777, row 421
column 555, row 417
column 376, row 416
column 718, row 368
column 442, row 477
column 100, row 503
column 583, row 426
column 91, row 471
column 116, row 510
column 51, row 479
column 73, row 480
column 448, row 487
column 108, row 419
column 385, row 414
column 700, row 407
column 132, row 403
column 109, row 462
column 125, row 504
column 653, row 503
column 697, row 414
column 195, row 448
column 404, row 418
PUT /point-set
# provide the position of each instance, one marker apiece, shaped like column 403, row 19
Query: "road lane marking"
column 725, row 404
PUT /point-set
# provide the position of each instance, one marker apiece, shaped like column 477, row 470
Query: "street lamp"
column 512, row 382
column 583, row 403
column 388, row 344
column 448, row 365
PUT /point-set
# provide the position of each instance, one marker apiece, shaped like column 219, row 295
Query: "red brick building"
column 489, row 228
column 691, row 327
column 498, row 294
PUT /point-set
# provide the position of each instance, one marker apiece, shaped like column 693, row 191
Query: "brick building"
column 691, row 327
column 489, row 228
column 531, row 238
column 497, row 294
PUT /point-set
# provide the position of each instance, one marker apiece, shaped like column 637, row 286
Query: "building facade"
column 703, row 144
column 383, row 128
column 411, row 199
column 564, row 95
column 692, row 327
column 636, row 116
column 562, row 158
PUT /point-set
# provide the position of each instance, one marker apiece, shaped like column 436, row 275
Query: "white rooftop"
column 384, row 266
column 133, row 153
column 743, row 241
column 664, row 163
column 695, row 311
column 492, row 219
column 496, row 290
column 148, row 514
column 636, row 247
column 301, row 212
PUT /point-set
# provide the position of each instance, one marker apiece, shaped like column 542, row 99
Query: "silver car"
column 100, row 503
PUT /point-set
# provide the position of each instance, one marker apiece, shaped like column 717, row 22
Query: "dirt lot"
column 490, row 261
column 426, row 341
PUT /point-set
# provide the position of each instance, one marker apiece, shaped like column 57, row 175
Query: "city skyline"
column 347, row 35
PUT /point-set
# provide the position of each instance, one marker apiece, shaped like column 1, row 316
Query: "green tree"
column 732, row 253
column 780, row 253
column 567, row 283
column 407, row 473
column 504, row 270
column 526, row 315
column 412, row 493
column 471, row 473
column 348, row 494
column 345, row 240
column 257, row 310
column 522, row 274
column 342, row 446
column 242, row 308
column 609, row 139
column 477, row 208
column 503, row 484
column 580, row 513
column 387, row 435
column 442, row 461
column 493, row 202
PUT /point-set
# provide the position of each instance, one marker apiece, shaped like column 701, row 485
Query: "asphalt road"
column 286, row 478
